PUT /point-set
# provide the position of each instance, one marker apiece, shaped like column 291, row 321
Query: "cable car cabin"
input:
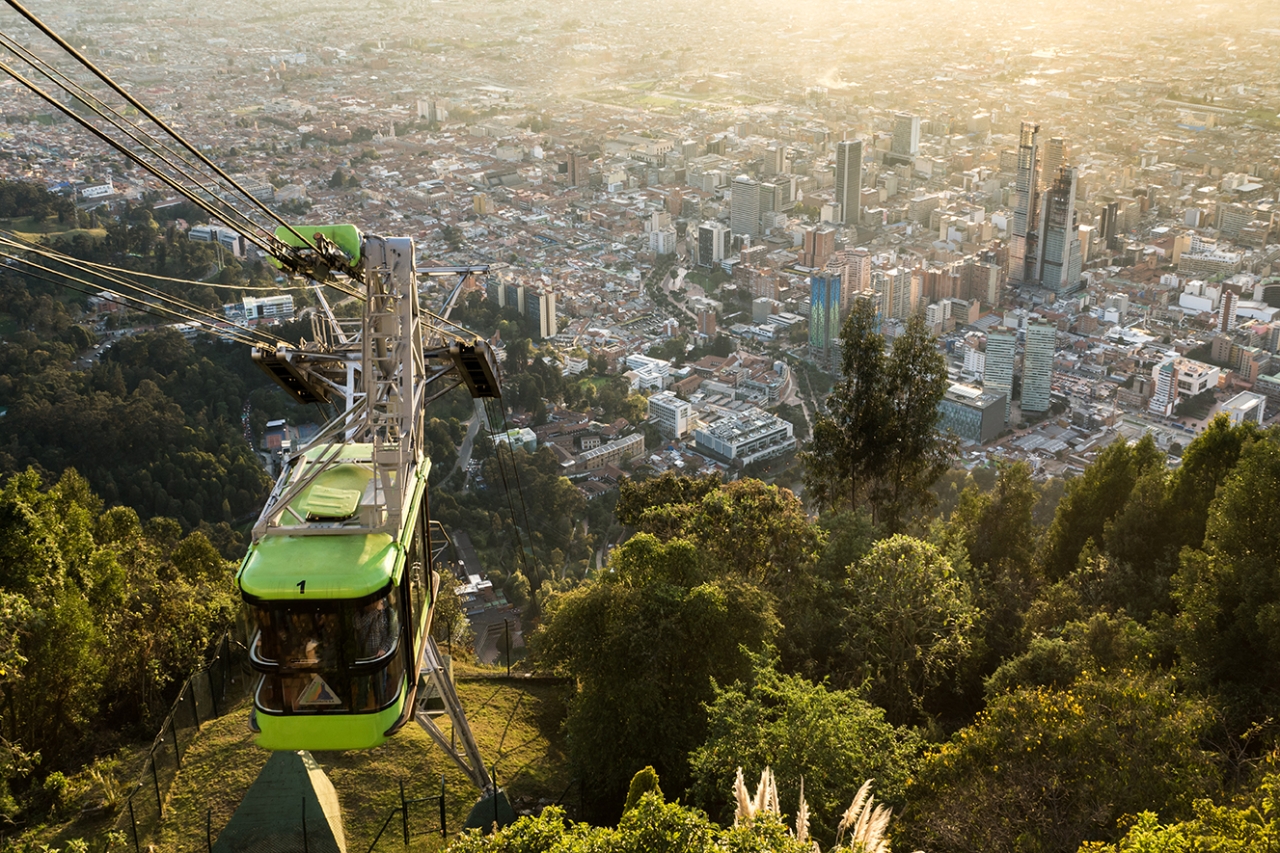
column 340, row 617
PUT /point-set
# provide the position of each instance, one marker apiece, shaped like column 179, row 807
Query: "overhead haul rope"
column 216, row 285
column 515, row 468
column 176, row 185
column 502, row 470
column 230, row 332
column 174, row 306
column 156, row 147
column 142, row 108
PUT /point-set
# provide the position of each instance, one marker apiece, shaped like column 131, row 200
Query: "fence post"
column 173, row 730
column 404, row 813
column 155, row 780
column 195, row 702
column 137, row 848
column 442, row 830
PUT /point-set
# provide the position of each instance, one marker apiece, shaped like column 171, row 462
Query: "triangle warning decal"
column 318, row 694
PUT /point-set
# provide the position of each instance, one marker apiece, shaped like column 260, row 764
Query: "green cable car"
column 341, row 616
column 339, row 577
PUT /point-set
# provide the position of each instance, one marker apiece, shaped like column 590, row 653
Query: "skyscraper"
column 1109, row 225
column 1227, row 315
column 906, row 135
column 849, row 180
column 540, row 306
column 775, row 160
column 1058, row 267
column 1054, row 158
column 824, row 316
column 899, row 292
column 1037, row 366
column 770, row 197
column 744, row 207
column 714, row 241
column 1023, row 233
column 857, row 273
column 997, row 374
column 819, row 242
column 579, row 168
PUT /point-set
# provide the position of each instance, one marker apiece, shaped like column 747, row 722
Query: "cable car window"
column 331, row 691
column 417, row 568
column 298, row 638
column 326, row 635
column 377, row 627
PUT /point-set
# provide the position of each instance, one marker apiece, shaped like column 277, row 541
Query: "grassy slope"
column 517, row 726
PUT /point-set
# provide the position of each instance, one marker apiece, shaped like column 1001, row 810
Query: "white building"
column 670, row 414
column 525, row 439
column 253, row 309
column 1246, row 407
column 744, row 207
column 648, row 374
column 975, row 361
column 226, row 237
column 745, row 438
column 1176, row 379
column 663, row 242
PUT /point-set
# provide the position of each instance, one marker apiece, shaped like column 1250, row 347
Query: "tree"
column 650, row 825
column 847, row 452
column 1206, row 463
column 1092, row 500
column 1101, row 643
column 878, row 442
column 1143, row 552
column 908, row 624
column 746, row 527
column 998, row 533
column 833, row 739
column 1250, row 825
column 1045, row 770
column 917, row 453
column 813, row 603
column 643, row 644
column 1229, row 592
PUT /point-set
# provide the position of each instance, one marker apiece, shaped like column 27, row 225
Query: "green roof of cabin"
column 334, row 494
column 339, row 566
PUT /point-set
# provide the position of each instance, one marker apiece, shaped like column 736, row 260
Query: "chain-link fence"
column 207, row 694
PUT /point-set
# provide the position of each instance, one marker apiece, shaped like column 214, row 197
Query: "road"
column 468, row 441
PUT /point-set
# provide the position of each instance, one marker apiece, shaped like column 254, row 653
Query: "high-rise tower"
column 997, row 374
column 1037, row 366
column 744, row 207
column 1053, row 158
column 824, row 316
column 1023, row 233
column 1227, row 315
column 1058, row 265
column 714, row 242
column 849, row 180
column 906, row 135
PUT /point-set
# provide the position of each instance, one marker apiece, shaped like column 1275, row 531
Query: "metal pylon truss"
column 380, row 371
column 462, row 747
